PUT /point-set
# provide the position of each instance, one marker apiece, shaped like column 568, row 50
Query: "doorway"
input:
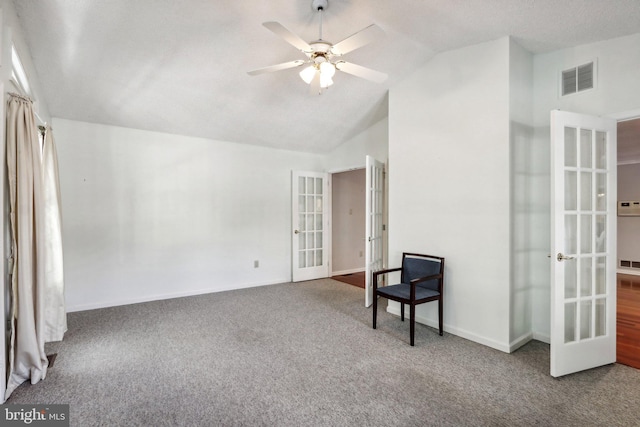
column 628, row 268
column 348, row 213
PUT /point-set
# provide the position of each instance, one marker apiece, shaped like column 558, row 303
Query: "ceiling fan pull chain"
column 320, row 10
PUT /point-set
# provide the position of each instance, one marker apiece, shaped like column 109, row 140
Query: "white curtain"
column 55, row 315
column 37, row 296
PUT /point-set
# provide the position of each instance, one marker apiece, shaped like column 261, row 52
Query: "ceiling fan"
column 323, row 57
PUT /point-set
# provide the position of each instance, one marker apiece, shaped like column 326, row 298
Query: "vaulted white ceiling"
column 181, row 66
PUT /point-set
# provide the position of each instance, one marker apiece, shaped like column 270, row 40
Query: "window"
column 18, row 75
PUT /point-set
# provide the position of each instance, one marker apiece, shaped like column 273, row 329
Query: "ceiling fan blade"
column 360, row 71
column 276, row 67
column 314, row 86
column 357, row 40
column 287, row 35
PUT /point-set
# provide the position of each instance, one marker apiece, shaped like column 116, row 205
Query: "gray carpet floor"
column 305, row 355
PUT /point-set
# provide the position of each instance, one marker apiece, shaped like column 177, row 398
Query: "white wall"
column 617, row 84
column 524, row 189
column 348, row 221
column 617, row 91
column 374, row 142
column 449, row 184
column 150, row 215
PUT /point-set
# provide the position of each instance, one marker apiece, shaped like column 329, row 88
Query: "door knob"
column 296, row 231
column 562, row 257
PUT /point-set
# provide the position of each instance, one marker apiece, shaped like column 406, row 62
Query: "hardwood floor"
column 355, row 279
column 628, row 320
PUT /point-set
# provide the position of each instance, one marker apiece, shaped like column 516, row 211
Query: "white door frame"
column 385, row 210
column 330, row 201
column 331, row 173
column 623, row 117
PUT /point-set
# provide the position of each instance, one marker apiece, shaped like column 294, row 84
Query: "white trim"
column 343, row 272
column 622, row 117
column 349, row 169
column 158, row 297
column 625, row 115
column 452, row 330
column 629, row 162
column 621, row 270
column 520, row 341
column 545, row 338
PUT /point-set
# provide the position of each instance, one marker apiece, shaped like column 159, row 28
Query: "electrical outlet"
column 256, row 264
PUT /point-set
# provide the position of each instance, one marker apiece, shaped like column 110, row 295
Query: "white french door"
column 374, row 223
column 583, row 242
column 310, row 221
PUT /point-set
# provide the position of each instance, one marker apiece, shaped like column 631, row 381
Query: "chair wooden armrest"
column 426, row 278
column 380, row 272
column 415, row 281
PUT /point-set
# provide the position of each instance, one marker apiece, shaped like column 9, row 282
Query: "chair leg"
column 413, row 323
column 440, row 314
column 375, row 309
column 402, row 311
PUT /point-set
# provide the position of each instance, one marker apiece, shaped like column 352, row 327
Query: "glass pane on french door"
column 310, row 211
column 585, row 219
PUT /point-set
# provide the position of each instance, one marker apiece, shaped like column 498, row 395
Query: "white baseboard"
column 343, row 272
column 631, row 272
column 504, row 347
column 157, row 297
column 542, row 337
column 520, row 341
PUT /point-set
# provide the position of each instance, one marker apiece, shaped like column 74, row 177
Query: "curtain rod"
column 29, row 98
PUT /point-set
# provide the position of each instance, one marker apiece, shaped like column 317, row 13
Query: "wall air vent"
column 578, row 79
column 630, row 264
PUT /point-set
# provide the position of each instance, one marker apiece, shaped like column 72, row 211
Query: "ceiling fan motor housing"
column 317, row 5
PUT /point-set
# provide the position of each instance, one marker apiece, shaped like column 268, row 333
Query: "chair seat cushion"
column 402, row 290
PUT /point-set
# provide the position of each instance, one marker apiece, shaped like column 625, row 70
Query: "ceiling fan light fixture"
column 327, row 69
column 325, row 81
column 322, row 57
column 308, row 73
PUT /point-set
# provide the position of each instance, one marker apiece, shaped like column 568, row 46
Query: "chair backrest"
column 417, row 265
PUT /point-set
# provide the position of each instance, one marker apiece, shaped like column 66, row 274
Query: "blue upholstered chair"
column 421, row 281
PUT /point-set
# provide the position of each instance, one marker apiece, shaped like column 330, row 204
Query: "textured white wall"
column 449, row 184
column 150, row 215
column 348, row 221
